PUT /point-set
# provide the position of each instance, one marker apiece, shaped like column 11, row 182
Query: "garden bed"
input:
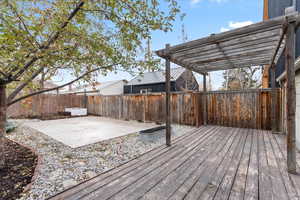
column 20, row 163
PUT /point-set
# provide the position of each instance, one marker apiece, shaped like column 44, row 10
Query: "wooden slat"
column 229, row 35
column 289, row 184
column 265, row 183
column 209, row 163
column 259, row 39
column 216, row 182
column 239, row 185
column 131, row 178
column 211, row 58
column 199, row 180
column 190, row 170
column 279, row 190
column 228, row 180
column 181, row 166
column 141, row 162
column 193, row 54
column 252, row 183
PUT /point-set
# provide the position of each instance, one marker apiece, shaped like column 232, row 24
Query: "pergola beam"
column 284, row 30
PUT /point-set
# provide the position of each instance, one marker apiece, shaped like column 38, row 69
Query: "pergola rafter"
column 260, row 43
column 254, row 45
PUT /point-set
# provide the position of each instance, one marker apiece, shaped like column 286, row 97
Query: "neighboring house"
column 49, row 85
column 181, row 80
column 276, row 8
column 102, row 88
column 282, row 81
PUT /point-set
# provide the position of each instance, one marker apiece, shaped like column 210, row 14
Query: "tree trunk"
column 3, row 108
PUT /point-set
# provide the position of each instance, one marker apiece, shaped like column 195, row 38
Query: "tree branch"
column 9, row 103
column 51, row 40
column 24, row 25
column 23, row 85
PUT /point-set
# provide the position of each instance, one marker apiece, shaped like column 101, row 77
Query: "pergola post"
column 274, row 100
column 204, row 103
column 168, row 100
column 291, row 97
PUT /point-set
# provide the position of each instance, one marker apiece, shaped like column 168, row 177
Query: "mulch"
column 20, row 163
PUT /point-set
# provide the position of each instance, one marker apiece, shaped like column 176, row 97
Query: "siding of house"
column 113, row 89
column 298, row 109
column 155, row 87
column 187, row 81
column 276, row 8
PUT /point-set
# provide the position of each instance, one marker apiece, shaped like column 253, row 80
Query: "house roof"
column 156, row 77
column 98, row 86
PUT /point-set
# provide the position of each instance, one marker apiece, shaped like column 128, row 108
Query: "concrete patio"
column 81, row 131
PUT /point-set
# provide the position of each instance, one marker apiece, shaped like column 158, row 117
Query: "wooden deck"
column 211, row 162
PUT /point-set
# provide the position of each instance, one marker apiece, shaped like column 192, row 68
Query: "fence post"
column 85, row 100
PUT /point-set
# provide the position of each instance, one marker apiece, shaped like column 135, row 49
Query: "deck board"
column 210, row 162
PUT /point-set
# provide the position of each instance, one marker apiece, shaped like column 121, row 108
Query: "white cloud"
column 193, row 2
column 234, row 25
column 224, row 29
column 239, row 24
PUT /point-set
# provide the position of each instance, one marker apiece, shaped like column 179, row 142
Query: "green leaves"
column 100, row 34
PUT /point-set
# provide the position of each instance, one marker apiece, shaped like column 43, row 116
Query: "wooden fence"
column 146, row 108
column 45, row 104
column 247, row 109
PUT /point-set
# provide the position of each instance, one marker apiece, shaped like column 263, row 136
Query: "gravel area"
column 63, row 166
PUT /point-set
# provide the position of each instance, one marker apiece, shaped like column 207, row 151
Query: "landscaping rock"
column 69, row 183
column 63, row 166
column 91, row 174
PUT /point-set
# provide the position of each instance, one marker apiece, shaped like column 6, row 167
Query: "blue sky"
column 204, row 17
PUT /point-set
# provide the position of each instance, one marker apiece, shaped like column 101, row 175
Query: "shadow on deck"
column 211, row 162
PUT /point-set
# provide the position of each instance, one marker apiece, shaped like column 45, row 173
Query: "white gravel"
column 62, row 166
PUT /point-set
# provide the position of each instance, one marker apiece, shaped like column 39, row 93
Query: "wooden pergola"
column 257, row 44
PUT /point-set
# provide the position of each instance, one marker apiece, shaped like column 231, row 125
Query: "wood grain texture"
column 245, row 109
column 210, row 162
column 204, row 55
column 291, row 97
column 168, row 99
column 45, row 104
